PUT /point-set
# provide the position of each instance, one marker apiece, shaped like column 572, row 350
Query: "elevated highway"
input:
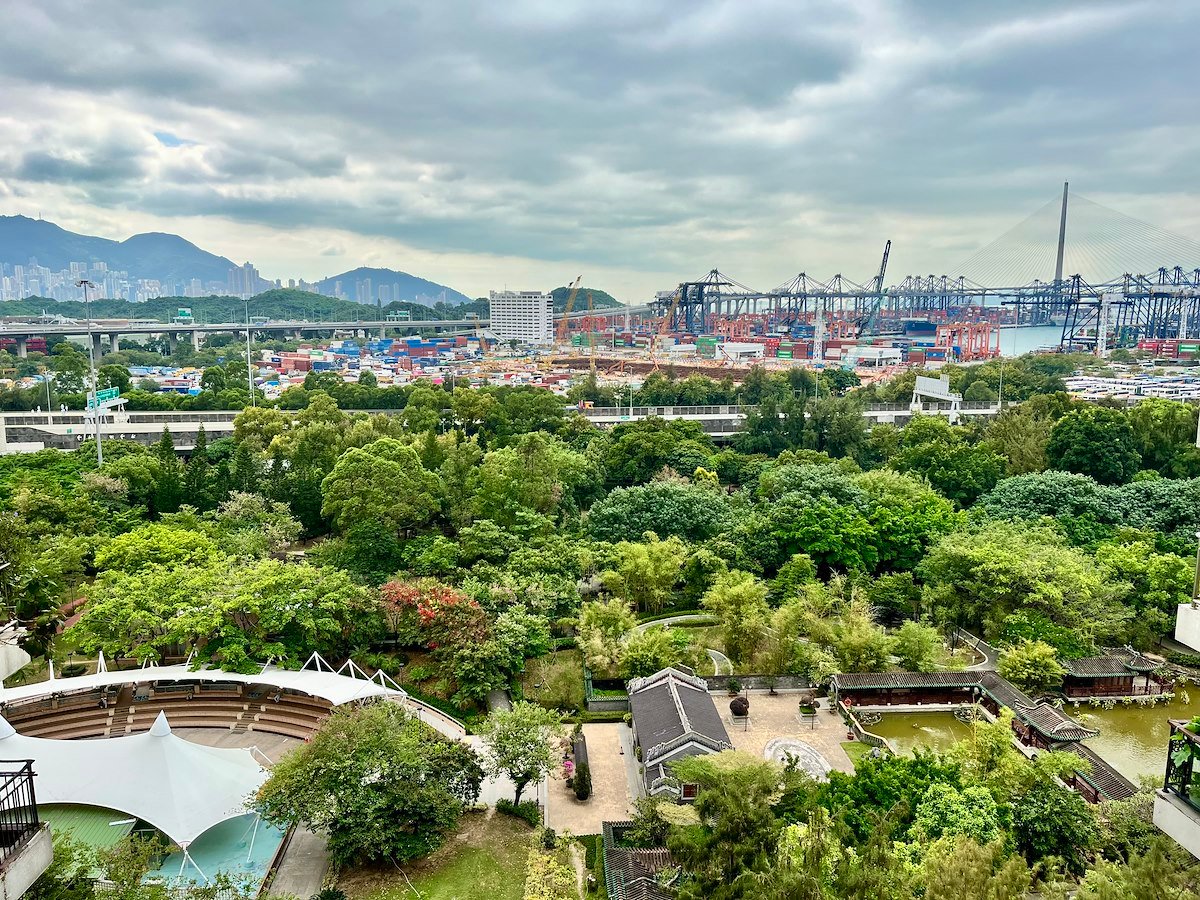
column 111, row 332
column 23, row 432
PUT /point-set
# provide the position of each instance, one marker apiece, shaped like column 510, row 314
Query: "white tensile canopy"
column 317, row 679
column 182, row 789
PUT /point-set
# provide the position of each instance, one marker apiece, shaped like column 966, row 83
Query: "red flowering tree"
column 433, row 614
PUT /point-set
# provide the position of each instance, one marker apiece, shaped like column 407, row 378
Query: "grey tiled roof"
column 1054, row 724
column 1113, row 664
column 674, row 716
column 1107, row 780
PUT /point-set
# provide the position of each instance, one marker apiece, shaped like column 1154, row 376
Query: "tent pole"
column 188, row 857
column 253, row 835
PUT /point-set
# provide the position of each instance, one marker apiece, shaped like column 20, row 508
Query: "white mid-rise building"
column 523, row 316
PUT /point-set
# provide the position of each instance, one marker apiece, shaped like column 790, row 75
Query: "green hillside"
column 279, row 304
column 600, row 299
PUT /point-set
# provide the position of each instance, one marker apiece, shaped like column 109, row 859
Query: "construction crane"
column 566, row 319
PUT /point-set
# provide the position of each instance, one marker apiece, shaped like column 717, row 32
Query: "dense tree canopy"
column 380, row 784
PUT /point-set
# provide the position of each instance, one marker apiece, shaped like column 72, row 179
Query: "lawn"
column 555, row 680
column 856, row 750
column 486, row 858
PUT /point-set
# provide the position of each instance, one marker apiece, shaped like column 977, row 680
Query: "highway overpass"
column 23, row 432
column 112, row 332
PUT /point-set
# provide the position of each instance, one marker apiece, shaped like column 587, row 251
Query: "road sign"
column 104, row 397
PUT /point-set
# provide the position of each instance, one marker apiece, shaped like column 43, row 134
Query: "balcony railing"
column 18, row 807
column 1182, row 755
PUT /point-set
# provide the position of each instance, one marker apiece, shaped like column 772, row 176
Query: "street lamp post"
column 87, row 305
column 249, row 364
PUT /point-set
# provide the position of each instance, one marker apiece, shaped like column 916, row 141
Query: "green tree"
column 1020, row 436
column 945, row 810
column 646, row 572
column 603, row 627
column 1095, row 441
column 382, row 786
column 1158, row 582
column 1164, row 431
column 977, row 578
column 1152, row 875
column 918, row 647
column 114, row 376
column 649, row 651
column 522, row 744
column 739, row 601
column 237, row 615
column 69, row 876
column 1031, row 666
column 384, row 481
column 964, row 870
column 727, row 854
column 692, row 512
column 1049, row 820
column 907, row 516
column 156, row 545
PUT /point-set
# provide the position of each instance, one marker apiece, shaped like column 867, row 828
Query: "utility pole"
column 1062, row 239
column 95, row 385
column 249, row 364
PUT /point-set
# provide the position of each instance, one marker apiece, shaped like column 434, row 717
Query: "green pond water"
column 1133, row 739
column 933, row 730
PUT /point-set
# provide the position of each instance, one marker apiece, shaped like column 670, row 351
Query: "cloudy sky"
column 636, row 142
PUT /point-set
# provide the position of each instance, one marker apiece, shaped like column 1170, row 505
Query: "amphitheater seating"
column 133, row 708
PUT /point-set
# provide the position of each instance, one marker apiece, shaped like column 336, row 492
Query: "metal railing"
column 18, row 807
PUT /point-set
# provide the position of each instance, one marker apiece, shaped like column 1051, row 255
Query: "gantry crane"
column 566, row 319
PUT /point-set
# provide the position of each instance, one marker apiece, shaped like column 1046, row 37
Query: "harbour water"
column 1016, row 340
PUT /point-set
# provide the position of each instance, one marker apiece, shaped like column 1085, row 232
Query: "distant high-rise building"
column 523, row 316
column 291, row 282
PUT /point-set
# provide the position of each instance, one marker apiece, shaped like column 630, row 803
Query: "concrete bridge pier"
column 97, row 344
column 115, row 342
column 195, row 340
column 172, row 342
column 22, row 347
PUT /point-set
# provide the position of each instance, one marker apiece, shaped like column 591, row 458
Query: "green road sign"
column 107, row 394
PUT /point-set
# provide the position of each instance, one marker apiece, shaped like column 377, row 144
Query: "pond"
column 931, row 730
column 1134, row 739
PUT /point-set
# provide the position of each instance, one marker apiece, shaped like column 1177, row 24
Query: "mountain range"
column 172, row 260
column 400, row 285
column 166, row 257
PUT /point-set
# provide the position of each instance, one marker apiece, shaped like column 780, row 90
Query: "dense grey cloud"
column 643, row 139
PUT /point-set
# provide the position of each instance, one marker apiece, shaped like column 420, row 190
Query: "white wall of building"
column 1187, row 626
column 523, row 316
column 1177, row 819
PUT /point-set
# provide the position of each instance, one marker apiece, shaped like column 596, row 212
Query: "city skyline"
column 520, row 146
